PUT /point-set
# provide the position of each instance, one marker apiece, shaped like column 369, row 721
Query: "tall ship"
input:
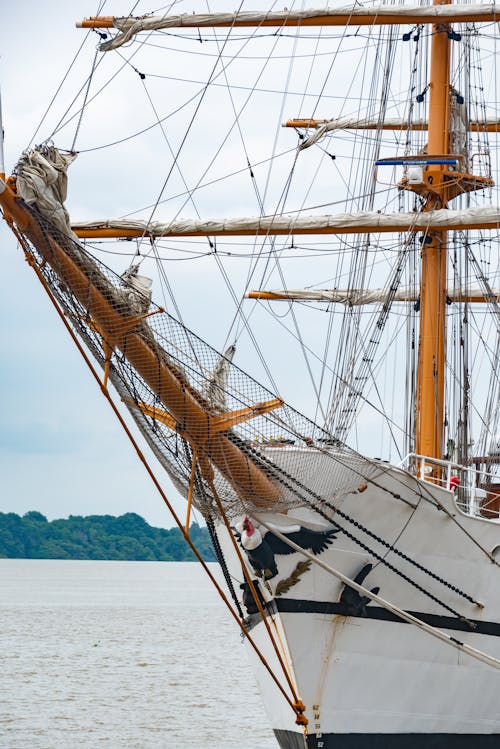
column 337, row 167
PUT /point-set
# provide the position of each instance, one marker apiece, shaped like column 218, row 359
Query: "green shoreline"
column 127, row 537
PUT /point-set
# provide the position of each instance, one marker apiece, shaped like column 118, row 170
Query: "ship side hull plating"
column 367, row 678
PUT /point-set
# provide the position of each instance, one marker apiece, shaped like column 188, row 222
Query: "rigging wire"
column 190, row 198
column 188, row 129
column 296, row 705
column 62, row 122
column 68, row 70
column 89, row 82
column 244, row 169
column 341, row 407
column 239, row 311
column 276, row 258
column 260, row 202
column 334, row 373
column 218, row 150
column 253, row 58
column 275, row 254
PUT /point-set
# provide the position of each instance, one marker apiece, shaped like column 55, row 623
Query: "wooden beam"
column 249, row 481
column 432, row 329
column 488, row 126
column 356, row 16
column 364, row 223
column 351, row 299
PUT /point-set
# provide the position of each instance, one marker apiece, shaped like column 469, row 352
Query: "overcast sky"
column 62, row 451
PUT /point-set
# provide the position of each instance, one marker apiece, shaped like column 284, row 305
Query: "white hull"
column 365, row 675
column 378, row 677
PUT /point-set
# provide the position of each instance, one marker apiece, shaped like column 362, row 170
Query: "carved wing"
column 315, row 541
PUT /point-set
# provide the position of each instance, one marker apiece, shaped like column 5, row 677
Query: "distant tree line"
column 128, row 537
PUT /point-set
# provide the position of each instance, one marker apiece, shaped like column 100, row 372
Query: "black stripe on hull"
column 292, row 740
column 293, row 606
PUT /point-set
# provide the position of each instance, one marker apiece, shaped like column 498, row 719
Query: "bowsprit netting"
column 194, row 407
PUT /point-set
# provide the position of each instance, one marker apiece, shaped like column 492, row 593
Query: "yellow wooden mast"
column 432, row 340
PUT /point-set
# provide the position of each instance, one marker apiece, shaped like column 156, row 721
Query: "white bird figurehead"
column 251, row 537
column 262, row 545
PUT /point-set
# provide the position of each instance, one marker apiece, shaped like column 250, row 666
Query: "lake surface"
column 132, row 655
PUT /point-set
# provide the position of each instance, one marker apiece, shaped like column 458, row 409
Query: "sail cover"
column 41, row 179
column 355, row 297
column 363, row 221
column 354, row 15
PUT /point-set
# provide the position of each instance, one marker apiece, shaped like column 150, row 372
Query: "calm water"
column 121, row 654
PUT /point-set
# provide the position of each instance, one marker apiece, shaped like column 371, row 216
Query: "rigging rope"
column 65, row 76
column 296, row 486
column 62, row 123
column 89, row 81
column 295, row 704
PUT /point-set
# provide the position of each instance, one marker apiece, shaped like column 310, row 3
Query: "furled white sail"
column 355, row 297
column 458, row 123
column 345, row 123
column 215, row 386
column 41, row 179
column 354, row 14
column 343, row 223
column 137, row 289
